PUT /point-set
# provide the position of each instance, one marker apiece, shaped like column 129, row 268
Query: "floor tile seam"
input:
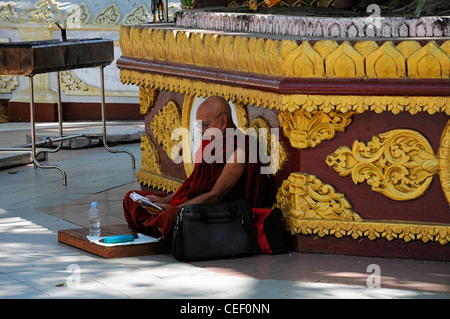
column 62, row 191
column 106, row 286
column 395, row 286
column 21, row 282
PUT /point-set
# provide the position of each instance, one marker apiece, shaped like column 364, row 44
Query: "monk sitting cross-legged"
column 224, row 173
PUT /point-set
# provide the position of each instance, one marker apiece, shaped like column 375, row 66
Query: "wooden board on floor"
column 78, row 238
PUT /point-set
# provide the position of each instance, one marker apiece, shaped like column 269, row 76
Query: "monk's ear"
column 224, row 121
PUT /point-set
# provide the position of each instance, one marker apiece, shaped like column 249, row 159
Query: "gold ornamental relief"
column 304, row 196
column 150, row 158
column 311, row 207
column 79, row 16
column 109, row 16
column 399, row 164
column 308, row 129
column 274, row 148
column 43, row 11
column 444, row 161
column 162, row 126
column 290, row 102
column 150, row 174
column 326, row 58
column 147, row 97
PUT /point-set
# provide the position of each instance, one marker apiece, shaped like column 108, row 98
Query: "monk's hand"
column 155, row 211
column 154, row 198
column 158, row 199
column 152, row 210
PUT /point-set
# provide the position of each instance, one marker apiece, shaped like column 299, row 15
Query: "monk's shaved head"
column 215, row 105
column 212, row 107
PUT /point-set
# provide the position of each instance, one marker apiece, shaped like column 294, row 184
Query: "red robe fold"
column 200, row 181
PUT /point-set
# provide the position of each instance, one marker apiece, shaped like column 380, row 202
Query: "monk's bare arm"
column 232, row 171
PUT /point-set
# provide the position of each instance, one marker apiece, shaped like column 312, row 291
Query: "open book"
column 143, row 200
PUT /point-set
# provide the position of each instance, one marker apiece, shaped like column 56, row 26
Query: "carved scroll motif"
column 399, row 164
column 150, row 158
column 308, row 129
column 43, row 11
column 163, row 124
column 444, row 161
column 304, row 196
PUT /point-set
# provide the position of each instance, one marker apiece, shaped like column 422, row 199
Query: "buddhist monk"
column 223, row 173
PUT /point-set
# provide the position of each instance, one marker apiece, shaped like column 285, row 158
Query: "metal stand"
column 49, row 141
column 105, row 144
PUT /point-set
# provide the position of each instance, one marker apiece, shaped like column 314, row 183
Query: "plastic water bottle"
column 94, row 221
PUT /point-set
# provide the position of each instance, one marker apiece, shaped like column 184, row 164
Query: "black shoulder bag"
column 211, row 231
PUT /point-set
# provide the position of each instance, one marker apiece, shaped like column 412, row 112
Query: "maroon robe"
column 200, row 181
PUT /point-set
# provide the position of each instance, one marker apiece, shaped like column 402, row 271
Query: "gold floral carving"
column 8, row 12
column 43, row 11
column 150, row 174
column 304, row 196
column 399, row 164
column 109, row 16
column 444, row 161
column 146, row 99
column 78, row 16
column 308, row 129
column 162, row 126
column 150, row 158
column 311, row 207
column 291, row 102
column 71, row 84
column 287, row 58
column 137, row 16
column 8, row 83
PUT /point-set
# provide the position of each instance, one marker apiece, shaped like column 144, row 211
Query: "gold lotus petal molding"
column 287, row 57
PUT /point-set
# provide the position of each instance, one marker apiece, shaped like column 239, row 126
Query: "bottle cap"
column 94, row 204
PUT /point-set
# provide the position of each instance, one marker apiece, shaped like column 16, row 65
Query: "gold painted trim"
column 291, row 102
column 407, row 231
column 161, row 182
column 185, row 123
